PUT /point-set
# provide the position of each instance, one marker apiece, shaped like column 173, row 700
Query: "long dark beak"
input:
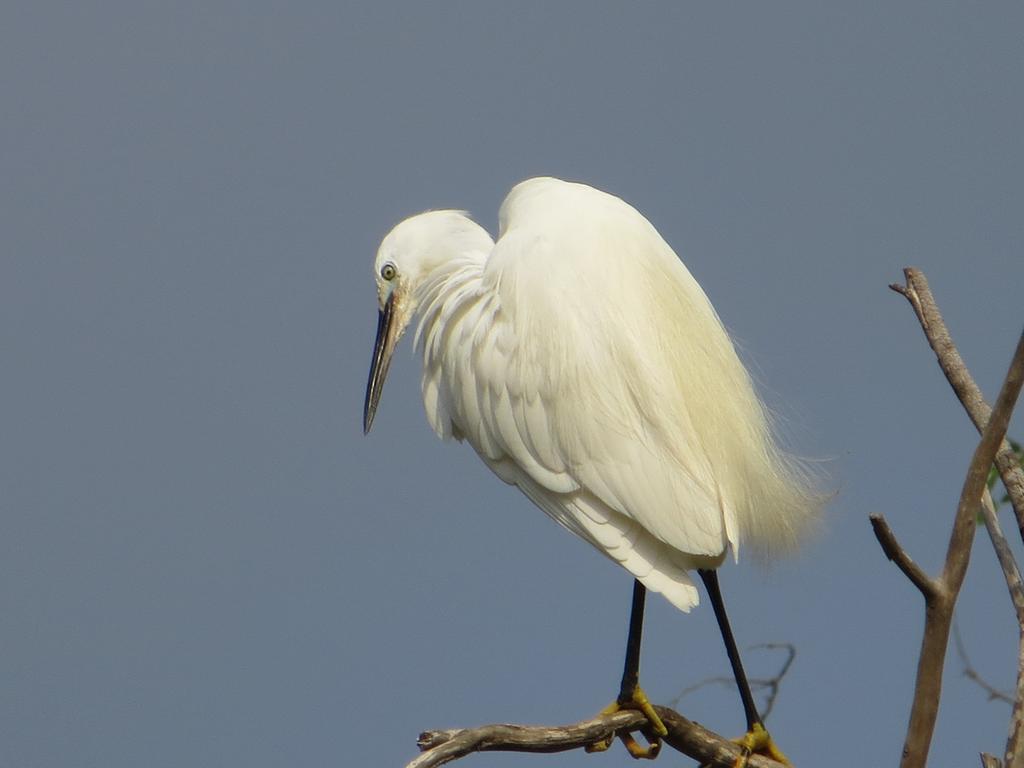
column 382, row 350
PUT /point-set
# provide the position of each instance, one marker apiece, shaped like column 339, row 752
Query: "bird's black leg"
column 631, row 669
column 631, row 695
column 757, row 739
column 710, row 579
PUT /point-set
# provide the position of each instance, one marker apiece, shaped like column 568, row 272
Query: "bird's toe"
column 757, row 741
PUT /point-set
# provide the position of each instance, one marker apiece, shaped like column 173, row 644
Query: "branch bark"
column 940, row 593
column 686, row 736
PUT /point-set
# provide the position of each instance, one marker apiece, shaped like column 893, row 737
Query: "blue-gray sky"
column 202, row 560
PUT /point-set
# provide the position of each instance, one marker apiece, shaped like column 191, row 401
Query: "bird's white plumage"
column 585, row 365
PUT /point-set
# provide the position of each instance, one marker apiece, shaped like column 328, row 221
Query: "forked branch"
column 940, row 593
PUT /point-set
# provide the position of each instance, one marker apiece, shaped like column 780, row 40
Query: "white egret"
column 585, row 366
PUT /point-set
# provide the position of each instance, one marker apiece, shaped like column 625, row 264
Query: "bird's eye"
column 388, row 271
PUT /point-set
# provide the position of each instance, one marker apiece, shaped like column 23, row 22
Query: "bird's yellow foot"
column 757, row 741
column 638, row 701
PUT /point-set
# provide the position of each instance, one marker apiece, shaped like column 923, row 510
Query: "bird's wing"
column 660, row 567
column 583, row 365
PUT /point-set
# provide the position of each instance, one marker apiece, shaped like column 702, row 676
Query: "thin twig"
column 693, row 740
column 773, row 684
column 993, row 693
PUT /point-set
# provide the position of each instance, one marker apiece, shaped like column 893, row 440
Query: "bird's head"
column 408, row 256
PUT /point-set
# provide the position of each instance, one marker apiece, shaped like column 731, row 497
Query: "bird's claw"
column 757, row 741
column 635, row 749
column 638, row 701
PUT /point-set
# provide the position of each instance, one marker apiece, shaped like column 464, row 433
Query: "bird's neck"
column 442, row 296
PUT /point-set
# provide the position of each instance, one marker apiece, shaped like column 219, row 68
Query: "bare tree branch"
column 940, row 601
column 693, row 740
column 917, row 292
column 940, row 594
